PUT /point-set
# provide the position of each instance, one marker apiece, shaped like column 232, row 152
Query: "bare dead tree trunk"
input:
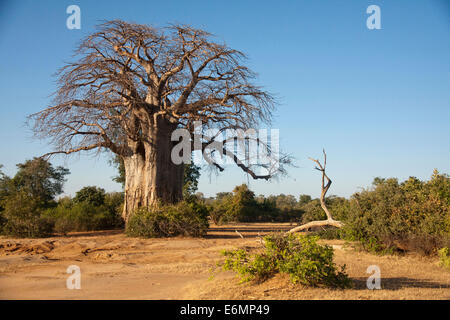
column 329, row 221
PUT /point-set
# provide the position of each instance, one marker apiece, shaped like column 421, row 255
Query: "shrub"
column 2, row 221
column 257, row 267
column 243, row 206
column 25, row 197
column 183, row 218
column 313, row 211
column 70, row 215
column 218, row 215
column 75, row 217
column 23, row 217
column 301, row 257
column 84, row 217
column 444, row 255
column 330, row 233
column 114, row 204
column 412, row 215
column 220, row 212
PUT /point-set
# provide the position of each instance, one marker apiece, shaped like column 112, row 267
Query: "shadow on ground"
column 229, row 232
column 400, row 283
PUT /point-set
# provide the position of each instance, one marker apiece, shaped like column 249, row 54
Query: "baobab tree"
column 133, row 85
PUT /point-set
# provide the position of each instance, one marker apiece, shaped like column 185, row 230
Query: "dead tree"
column 134, row 85
column 329, row 221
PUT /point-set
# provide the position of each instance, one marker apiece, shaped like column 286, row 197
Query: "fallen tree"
column 329, row 221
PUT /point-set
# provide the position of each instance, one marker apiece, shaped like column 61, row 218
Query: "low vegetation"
column 410, row 216
column 187, row 218
column 388, row 217
column 91, row 209
column 29, row 208
column 23, row 217
column 301, row 257
column 444, row 255
column 241, row 205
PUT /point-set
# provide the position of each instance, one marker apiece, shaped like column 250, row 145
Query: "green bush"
column 330, row 233
column 391, row 216
column 70, row 216
column 23, row 216
column 114, row 204
column 243, row 206
column 183, row 218
column 444, row 255
column 301, row 257
column 2, row 221
column 91, row 209
column 28, row 207
column 220, row 212
column 312, row 209
column 258, row 267
column 25, row 197
column 408, row 216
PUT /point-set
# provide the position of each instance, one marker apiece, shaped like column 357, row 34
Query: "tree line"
column 30, row 206
column 388, row 216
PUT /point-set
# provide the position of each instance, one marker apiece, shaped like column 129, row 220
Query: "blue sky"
column 378, row 101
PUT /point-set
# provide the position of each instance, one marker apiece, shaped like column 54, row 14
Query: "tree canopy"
column 38, row 179
column 130, row 75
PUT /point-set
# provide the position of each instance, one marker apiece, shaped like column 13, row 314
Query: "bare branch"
column 131, row 78
column 324, row 189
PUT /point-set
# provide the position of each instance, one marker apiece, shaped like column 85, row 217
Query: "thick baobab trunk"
column 150, row 175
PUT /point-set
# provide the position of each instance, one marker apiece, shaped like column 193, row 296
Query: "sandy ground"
column 114, row 266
